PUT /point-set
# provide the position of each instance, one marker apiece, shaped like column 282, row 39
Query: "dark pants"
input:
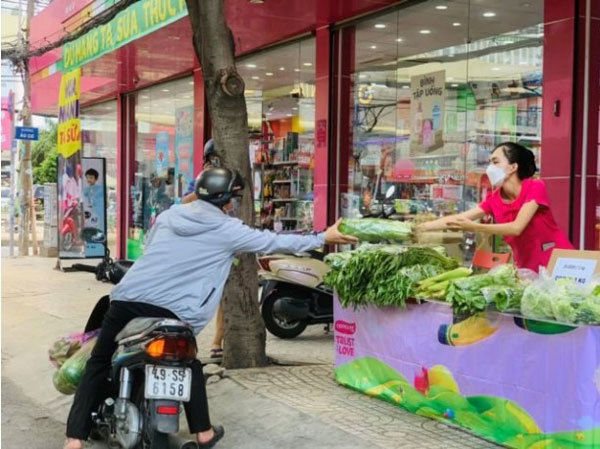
column 89, row 394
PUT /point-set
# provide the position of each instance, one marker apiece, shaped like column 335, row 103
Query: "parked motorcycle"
column 69, row 230
column 150, row 379
column 293, row 295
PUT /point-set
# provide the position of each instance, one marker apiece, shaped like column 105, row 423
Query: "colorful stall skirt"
column 520, row 383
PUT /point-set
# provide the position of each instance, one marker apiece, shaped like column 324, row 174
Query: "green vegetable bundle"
column 377, row 229
column 466, row 295
column 383, row 275
column 563, row 300
column 436, row 287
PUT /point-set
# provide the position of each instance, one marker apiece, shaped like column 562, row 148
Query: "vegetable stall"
column 508, row 355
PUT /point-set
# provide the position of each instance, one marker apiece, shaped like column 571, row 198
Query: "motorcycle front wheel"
column 279, row 326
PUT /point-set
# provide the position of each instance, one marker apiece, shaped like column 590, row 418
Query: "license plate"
column 165, row 382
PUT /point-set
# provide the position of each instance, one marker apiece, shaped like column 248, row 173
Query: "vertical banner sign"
column 162, row 154
column 94, row 202
column 427, row 112
column 70, row 170
column 184, row 147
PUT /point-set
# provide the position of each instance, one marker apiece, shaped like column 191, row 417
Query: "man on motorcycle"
column 181, row 275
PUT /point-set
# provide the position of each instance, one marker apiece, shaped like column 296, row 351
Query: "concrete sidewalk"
column 275, row 407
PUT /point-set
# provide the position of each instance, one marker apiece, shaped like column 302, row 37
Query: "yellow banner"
column 69, row 123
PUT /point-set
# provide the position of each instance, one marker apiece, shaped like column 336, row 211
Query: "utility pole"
column 25, row 169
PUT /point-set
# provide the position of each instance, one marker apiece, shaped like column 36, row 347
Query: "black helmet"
column 218, row 185
column 209, row 148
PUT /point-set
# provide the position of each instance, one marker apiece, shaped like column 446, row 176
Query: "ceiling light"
column 405, row 87
column 362, row 76
column 495, row 69
column 191, row 83
column 294, row 108
column 456, row 24
column 255, row 78
column 289, row 115
column 399, row 39
column 489, row 14
column 296, row 70
column 373, row 47
column 248, row 92
column 268, row 113
column 251, row 66
column 282, row 68
column 425, row 31
column 269, row 73
column 308, row 64
column 441, row 7
column 380, row 25
column 256, row 2
column 165, row 90
column 453, row 85
column 450, row 78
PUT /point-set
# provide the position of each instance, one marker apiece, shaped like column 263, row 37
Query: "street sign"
column 27, row 133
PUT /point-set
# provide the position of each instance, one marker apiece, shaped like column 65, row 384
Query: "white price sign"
column 580, row 270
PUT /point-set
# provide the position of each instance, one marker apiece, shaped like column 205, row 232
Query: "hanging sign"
column 427, row 111
column 184, row 145
column 27, row 133
column 69, row 123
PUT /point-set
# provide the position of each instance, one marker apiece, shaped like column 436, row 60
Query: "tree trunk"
column 244, row 344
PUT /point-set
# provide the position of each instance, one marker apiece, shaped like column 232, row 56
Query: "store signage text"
column 134, row 22
column 344, row 345
column 427, row 88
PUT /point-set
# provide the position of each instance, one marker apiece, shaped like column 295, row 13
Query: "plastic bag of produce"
column 377, row 229
column 65, row 347
column 67, row 378
column 506, row 298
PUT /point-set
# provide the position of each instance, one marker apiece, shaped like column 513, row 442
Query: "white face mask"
column 496, row 175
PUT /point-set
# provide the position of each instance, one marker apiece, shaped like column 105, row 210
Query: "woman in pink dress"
column 520, row 208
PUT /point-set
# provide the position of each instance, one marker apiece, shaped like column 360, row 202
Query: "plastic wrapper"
column 67, row 378
column 65, row 347
column 506, row 298
column 377, row 229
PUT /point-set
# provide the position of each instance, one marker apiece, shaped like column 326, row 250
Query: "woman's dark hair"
column 518, row 154
column 92, row 172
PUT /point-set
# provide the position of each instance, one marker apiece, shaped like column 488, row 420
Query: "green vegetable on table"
column 383, row 275
column 466, row 295
column 377, row 229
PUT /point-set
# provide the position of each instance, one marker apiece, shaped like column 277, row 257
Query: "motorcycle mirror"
column 93, row 235
column 390, row 192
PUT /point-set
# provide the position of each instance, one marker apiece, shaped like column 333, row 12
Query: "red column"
column 121, row 185
column 341, row 117
column 557, row 106
column 201, row 124
column 322, row 84
column 587, row 88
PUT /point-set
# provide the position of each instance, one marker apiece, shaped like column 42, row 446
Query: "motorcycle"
column 149, row 380
column 293, row 294
column 69, row 231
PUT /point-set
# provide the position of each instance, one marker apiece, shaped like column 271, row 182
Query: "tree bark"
column 244, row 343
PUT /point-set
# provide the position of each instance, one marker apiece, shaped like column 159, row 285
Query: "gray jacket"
column 188, row 257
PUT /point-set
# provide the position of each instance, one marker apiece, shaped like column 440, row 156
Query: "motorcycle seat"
column 140, row 327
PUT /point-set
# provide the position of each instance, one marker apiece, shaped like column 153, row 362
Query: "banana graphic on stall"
column 467, row 332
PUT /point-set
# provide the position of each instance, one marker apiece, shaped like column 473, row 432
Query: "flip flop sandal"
column 219, row 432
column 216, row 353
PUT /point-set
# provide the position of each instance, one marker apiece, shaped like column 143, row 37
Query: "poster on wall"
column 94, row 202
column 69, row 169
column 161, row 161
column 184, row 147
column 427, row 112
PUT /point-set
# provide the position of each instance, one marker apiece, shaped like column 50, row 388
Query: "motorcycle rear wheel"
column 277, row 326
column 151, row 439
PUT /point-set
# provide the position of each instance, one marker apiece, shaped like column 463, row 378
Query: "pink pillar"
column 322, row 82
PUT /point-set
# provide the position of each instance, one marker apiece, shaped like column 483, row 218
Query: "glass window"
column 163, row 165
column 99, row 126
column 435, row 87
column 280, row 96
